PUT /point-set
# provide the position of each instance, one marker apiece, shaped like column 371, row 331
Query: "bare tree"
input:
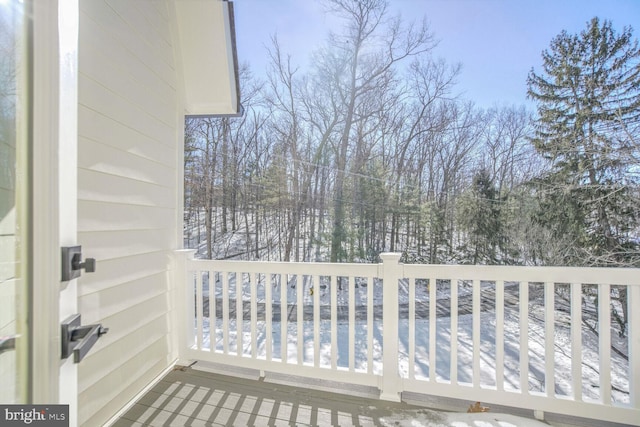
column 363, row 56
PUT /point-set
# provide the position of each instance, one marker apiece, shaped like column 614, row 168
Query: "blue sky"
column 496, row 41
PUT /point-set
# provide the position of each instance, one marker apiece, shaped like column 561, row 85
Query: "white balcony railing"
column 548, row 339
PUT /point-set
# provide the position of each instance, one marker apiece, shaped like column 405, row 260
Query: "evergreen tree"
column 588, row 97
column 480, row 218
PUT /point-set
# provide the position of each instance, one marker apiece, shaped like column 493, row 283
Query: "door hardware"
column 72, row 264
column 79, row 339
column 8, row 343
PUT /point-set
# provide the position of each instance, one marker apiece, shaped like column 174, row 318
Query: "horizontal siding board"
column 99, row 417
column 100, row 128
column 7, row 212
column 121, row 298
column 97, row 364
column 118, row 244
column 7, row 172
column 127, row 322
column 95, row 38
column 7, row 257
column 101, row 216
column 98, row 404
column 104, row 158
column 156, row 16
column 124, row 329
column 101, row 68
column 103, row 15
column 110, row 189
column 98, row 97
column 129, row 268
column 161, row 8
column 153, row 35
column 8, row 312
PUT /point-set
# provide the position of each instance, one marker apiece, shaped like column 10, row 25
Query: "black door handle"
column 8, row 343
column 78, row 339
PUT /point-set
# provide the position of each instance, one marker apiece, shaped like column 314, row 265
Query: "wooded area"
column 370, row 151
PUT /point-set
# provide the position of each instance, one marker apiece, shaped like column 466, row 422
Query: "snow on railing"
column 549, row 339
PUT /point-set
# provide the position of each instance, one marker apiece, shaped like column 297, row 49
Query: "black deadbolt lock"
column 72, row 263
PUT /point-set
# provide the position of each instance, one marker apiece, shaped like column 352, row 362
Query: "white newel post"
column 183, row 335
column 391, row 272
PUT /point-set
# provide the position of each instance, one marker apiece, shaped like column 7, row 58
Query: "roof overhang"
column 209, row 62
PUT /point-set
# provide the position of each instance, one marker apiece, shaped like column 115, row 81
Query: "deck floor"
column 192, row 397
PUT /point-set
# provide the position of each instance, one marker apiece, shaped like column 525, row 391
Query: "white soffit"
column 207, row 48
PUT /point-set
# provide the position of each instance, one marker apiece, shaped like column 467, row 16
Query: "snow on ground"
column 563, row 378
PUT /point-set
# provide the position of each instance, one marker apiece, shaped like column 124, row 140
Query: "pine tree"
column 480, row 218
column 588, row 97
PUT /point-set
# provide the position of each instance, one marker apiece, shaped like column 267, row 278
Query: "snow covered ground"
column 563, row 378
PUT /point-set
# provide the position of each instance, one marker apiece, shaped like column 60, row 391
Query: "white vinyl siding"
column 127, row 186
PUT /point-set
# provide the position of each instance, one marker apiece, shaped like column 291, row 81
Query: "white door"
column 14, row 203
column 38, row 193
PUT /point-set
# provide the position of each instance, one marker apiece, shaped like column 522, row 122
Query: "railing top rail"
column 279, row 267
column 583, row 275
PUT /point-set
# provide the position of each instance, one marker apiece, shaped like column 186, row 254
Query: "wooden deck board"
column 198, row 398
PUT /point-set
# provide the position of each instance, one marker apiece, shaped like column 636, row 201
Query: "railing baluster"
column 352, row 323
column 576, row 340
column 476, row 332
column 239, row 314
column 549, row 338
column 524, row 337
column 254, row 315
column 284, row 318
column 300, row 317
column 199, row 310
column 316, row 321
column 334, row 322
column 454, row 332
column 433, row 336
column 225, row 312
column 604, row 332
column 212, row 310
column 500, row 335
column 412, row 328
column 268, row 316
